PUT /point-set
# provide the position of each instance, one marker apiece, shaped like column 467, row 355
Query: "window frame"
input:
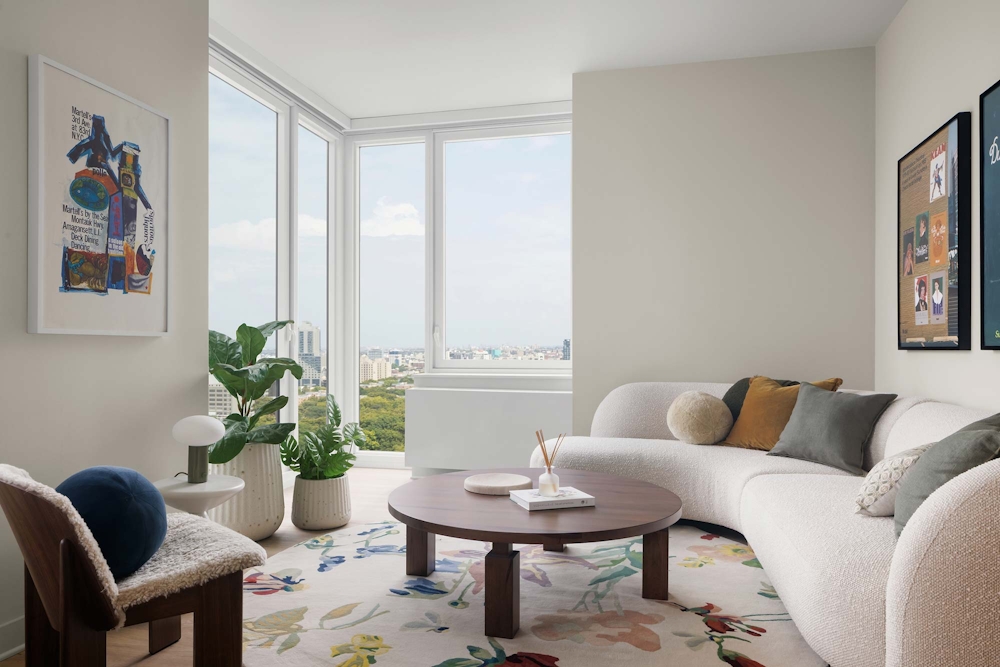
column 437, row 264
column 289, row 117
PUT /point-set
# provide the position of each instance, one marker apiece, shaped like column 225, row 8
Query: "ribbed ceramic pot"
column 259, row 509
column 321, row 504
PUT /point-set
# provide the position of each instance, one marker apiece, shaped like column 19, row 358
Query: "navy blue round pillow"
column 123, row 510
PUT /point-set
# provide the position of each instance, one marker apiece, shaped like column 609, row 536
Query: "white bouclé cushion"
column 699, row 418
column 877, row 496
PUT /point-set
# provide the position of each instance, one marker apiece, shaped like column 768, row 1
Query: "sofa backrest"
column 929, row 421
column 639, row 409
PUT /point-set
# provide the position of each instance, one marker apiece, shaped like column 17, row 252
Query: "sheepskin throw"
column 699, row 418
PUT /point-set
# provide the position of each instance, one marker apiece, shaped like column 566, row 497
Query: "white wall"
column 70, row 402
column 723, row 220
column 933, row 61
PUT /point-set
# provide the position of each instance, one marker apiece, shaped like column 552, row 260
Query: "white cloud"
column 244, row 235
column 390, row 219
column 310, row 226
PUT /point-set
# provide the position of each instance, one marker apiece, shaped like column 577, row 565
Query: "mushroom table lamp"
column 198, row 432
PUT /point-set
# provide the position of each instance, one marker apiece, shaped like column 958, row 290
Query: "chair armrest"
column 639, row 409
column 943, row 595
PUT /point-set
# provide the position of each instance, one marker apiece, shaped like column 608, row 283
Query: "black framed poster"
column 989, row 215
column 932, row 247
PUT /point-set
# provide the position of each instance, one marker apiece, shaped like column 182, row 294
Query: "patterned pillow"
column 877, row 496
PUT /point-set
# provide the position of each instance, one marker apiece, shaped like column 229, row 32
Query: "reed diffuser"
column 548, row 481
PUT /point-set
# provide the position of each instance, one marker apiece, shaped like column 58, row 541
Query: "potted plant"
column 322, row 496
column 248, row 450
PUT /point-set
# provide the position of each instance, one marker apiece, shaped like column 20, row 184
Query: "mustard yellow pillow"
column 766, row 411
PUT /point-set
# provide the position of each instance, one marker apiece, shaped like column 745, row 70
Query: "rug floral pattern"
column 343, row 599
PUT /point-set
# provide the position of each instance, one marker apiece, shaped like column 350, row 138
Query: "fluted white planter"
column 321, row 504
column 260, row 508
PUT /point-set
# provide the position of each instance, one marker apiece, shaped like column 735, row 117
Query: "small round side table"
column 198, row 498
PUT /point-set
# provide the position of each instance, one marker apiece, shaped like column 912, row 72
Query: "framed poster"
column 932, row 248
column 99, row 208
column 989, row 215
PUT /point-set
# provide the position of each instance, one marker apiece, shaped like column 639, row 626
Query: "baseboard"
column 11, row 637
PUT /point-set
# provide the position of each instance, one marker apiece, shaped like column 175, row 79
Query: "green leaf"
column 290, row 642
column 268, row 408
column 480, row 653
column 252, row 341
column 232, row 442
column 270, row 434
column 289, row 451
column 222, row 349
column 354, row 435
column 617, row 573
column 460, row 662
column 267, row 329
column 312, row 448
column 234, row 382
column 332, row 411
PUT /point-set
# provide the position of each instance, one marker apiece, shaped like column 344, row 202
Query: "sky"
column 507, row 221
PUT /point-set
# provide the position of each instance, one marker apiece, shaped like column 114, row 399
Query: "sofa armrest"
column 943, row 595
column 639, row 409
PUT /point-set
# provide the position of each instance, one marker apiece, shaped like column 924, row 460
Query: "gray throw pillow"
column 963, row 450
column 831, row 427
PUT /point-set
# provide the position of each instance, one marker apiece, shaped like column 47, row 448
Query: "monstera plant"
column 234, row 363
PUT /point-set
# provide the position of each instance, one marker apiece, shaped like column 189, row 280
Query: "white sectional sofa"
column 859, row 597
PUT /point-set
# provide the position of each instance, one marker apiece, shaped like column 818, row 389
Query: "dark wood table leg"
column 419, row 551
column 163, row 632
column 553, row 546
column 655, row 554
column 503, row 591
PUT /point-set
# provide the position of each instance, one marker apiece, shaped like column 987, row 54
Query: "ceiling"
column 390, row 57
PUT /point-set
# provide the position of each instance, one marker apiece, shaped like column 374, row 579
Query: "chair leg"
column 163, row 632
column 79, row 644
column 218, row 623
column 41, row 641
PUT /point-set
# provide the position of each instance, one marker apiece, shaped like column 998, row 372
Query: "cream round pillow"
column 699, row 418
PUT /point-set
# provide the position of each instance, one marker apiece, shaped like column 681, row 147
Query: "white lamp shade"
column 198, row 431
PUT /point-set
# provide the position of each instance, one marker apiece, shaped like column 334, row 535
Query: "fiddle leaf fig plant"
column 326, row 452
column 235, row 364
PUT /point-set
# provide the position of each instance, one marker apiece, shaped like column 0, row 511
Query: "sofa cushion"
column 765, row 412
column 929, row 421
column 736, row 394
column 831, row 427
column 828, row 564
column 970, row 446
column 708, row 478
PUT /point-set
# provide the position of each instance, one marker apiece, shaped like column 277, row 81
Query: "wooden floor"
column 370, row 488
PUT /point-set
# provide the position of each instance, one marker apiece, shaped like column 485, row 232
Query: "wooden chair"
column 71, row 600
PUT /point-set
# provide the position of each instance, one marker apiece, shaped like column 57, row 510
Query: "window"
column 392, row 296
column 271, row 163
column 504, row 227
column 311, row 329
column 242, row 232
column 243, row 202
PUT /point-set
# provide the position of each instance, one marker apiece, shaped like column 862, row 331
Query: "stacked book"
column 568, row 497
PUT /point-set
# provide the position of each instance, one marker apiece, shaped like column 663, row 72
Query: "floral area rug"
column 344, row 599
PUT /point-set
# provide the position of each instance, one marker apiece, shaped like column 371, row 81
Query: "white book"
column 568, row 497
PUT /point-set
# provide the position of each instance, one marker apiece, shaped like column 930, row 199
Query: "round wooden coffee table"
column 625, row 508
